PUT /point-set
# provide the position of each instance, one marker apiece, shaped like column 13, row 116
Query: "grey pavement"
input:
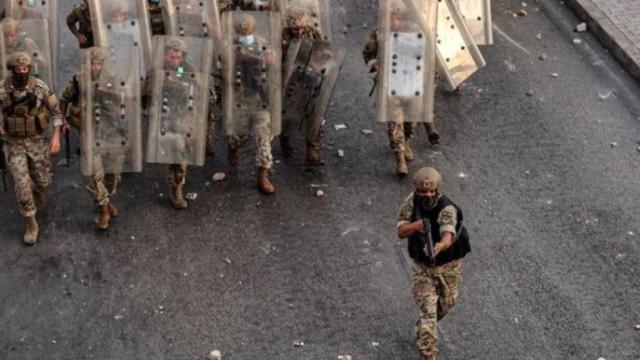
column 549, row 184
column 617, row 24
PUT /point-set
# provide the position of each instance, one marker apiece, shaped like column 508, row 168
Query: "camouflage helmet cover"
column 245, row 23
column 176, row 44
column 297, row 16
column 18, row 59
column 427, row 178
column 398, row 8
column 97, row 54
column 9, row 25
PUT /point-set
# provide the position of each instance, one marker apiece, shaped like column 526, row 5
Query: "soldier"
column 253, row 90
column 247, row 5
column 79, row 22
column 398, row 130
column 14, row 42
column 101, row 186
column 437, row 243
column 157, row 14
column 27, row 105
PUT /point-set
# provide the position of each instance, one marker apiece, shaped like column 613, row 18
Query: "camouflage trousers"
column 399, row 134
column 177, row 175
column 435, row 291
column 30, row 166
column 313, row 134
column 258, row 124
column 103, row 186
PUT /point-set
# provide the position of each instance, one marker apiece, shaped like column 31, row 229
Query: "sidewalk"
column 616, row 23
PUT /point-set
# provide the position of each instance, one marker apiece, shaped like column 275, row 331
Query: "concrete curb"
column 605, row 30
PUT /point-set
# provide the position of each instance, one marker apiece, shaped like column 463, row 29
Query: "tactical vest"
column 23, row 116
column 156, row 21
column 458, row 249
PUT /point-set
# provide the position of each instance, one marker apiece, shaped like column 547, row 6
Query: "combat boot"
column 313, row 156
column 210, row 147
column 429, row 357
column 408, row 153
column 177, row 198
column 113, row 210
column 232, row 156
column 104, row 218
column 432, row 133
column 264, row 184
column 31, row 233
column 401, row 164
column 286, row 146
column 40, row 199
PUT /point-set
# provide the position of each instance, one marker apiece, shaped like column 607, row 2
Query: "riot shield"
column 118, row 23
column 458, row 54
column 30, row 36
column 406, row 62
column 110, row 99
column 477, row 15
column 180, row 99
column 311, row 70
column 252, row 72
column 195, row 18
column 259, row 5
column 317, row 10
column 42, row 10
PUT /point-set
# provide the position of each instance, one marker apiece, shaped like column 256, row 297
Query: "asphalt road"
column 550, row 201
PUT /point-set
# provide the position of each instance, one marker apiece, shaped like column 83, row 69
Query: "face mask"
column 246, row 41
column 20, row 80
column 428, row 202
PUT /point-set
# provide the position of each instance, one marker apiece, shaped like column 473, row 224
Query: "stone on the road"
column 215, row 355
column 577, row 41
column 298, row 343
column 582, row 27
column 219, row 176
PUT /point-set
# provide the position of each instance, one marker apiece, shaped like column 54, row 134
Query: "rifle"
column 3, row 166
column 373, row 87
column 428, row 239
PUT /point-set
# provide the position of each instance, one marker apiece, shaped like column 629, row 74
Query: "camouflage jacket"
column 288, row 35
column 370, row 51
column 45, row 99
column 156, row 19
column 80, row 15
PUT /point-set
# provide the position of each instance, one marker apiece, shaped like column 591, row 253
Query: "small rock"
column 614, row 144
column 524, row 4
column 462, row 175
column 577, row 41
column 118, row 317
column 601, row 358
column 637, row 326
column 530, row 92
column 365, row 26
column 582, row 27
column 219, row 176
column 191, row 196
column 539, row 36
column 298, row 343
column 340, row 126
column 555, row 75
column 542, row 57
column 522, row 12
column 605, row 95
column 638, row 148
column 366, row 131
column 341, row 153
column 319, row 193
column 227, row 260
column 344, row 357
column 630, row 233
column 375, row 343
column 215, row 355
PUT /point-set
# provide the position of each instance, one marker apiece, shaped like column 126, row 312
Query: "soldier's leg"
column 450, row 279
column 111, row 182
column 314, row 142
column 425, row 296
column 177, row 179
column 409, row 130
column 264, row 156
column 17, row 162
column 395, row 132
column 40, row 168
column 286, row 138
column 99, row 191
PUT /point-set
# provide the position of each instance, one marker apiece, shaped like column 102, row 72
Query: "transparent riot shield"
column 180, row 99
column 195, row 18
column 42, row 10
column 319, row 15
column 118, row 23
column 406, row 62
column 112, row 128
column 252, row 72
column 256, row 5
column 477, row 16
column 311, row 70
column 30, row 36
column 458, row 54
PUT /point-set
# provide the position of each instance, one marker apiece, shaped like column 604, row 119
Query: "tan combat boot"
column 113, row 210
column 40, row 199
column 286, row 146
column 313, row 156
column 104, row 218
column 408, row 153
column 177, row 198
column 432, row 133
column 31, row 233
column 401, row 164
column 232, row 156
column 264, row 184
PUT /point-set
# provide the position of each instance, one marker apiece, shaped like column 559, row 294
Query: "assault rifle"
column 428, row 241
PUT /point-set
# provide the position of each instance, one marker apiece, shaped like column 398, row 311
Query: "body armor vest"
column 24, row 117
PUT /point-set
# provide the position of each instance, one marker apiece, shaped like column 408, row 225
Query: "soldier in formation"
column 437, row 242
column 79, row 23
column 28, row 105
column 157, row 14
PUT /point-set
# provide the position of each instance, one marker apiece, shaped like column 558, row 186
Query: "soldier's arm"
column 70, row 95
column 447, row 220
column 406, row 227
column 370, row 51
column 72, row 20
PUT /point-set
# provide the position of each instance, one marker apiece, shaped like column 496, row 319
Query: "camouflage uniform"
column 26, row 149
column 435, row 288
column 82, row 16
column 22, row 43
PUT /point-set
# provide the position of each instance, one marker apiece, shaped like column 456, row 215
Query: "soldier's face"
column 21, row 69
column 119, row 15
column 96, row 69
column 11, row 38
column 396, row 21
column 173, row 58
